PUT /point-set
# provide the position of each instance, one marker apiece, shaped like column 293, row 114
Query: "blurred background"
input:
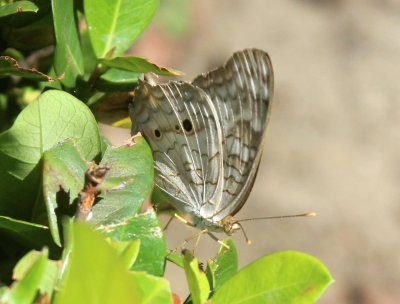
column 333, row 144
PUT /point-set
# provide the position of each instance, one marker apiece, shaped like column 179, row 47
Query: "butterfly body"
column 207, row 136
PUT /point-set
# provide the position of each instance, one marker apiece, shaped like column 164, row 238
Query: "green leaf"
column 90, row 61
column 25, row 290
column 153, row 289
column 63, row 178
column 49, row 278
column 52, row 118
column 4, row 291
column 68, row 58
column 38, row 33
column 283, row 277
column 138, row 65
column 18, row 7
column 225, row 264
column 24, row 234
column 176, row 258
column 159, row 199
column 10, row 66
column 115, row 80
column 117, row 24
column 94, row 272
column 128, row 251
column 146, row 228
column 197, row 280
column 105, row 144
column 127, row 183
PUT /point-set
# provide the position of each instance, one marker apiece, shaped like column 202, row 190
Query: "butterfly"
column 207, row 136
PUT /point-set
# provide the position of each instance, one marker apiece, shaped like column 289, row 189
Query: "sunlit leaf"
column 49, row 277
column 226, row 263
column 18, row 7
column 117, row 24
column 126, row 185
column 153, row 289
column 196, row 278
column 128, row 251
column 146, row 228
column 138, row 65
column 283, row 277
column 54, row 117
column 68, row 59
column 24, row 290
column 94, row 272
column 63, row 178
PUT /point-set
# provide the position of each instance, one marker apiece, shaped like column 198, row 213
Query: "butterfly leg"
column 196, row 236
column 199, row 235
column 183, row 220
column 217, row 240
column 198, row 239
column 168, row 223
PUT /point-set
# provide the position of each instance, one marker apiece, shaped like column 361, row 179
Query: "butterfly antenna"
column 248, row 241
column 308, row 214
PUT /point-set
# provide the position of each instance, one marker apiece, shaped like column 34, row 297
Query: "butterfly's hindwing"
column 241, row 91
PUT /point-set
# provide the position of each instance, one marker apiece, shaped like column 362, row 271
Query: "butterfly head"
column 230, row 225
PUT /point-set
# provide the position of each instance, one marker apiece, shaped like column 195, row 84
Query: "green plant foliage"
column 18, row 7
column 101, row 276
column 223, row 266
column 49, row 277
column 176, row 258
column 25, row 234
column 283, row 277
column 29, row 279
column 146, row 228
column 117, row 80
column 52, row 118
column 63, row 177
column 152, row 289
column 128, row 251
column 196, row 278
column 94, row 273
column 68, row 59
column 117, row 24
column 138, row 65
column 127, row 183
column 29, row 33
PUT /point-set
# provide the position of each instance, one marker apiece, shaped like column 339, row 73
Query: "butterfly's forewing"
column 241, row 91
column 182, row 127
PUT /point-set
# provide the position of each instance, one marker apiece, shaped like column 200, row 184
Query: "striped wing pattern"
column 207, row 136
column 241, row 91
column 182, row 127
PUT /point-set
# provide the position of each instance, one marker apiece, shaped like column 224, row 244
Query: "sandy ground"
column 333, row 144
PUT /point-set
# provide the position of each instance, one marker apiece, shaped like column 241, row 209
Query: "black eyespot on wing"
column 157, row 133
column 176, row 127
column 187, row 125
